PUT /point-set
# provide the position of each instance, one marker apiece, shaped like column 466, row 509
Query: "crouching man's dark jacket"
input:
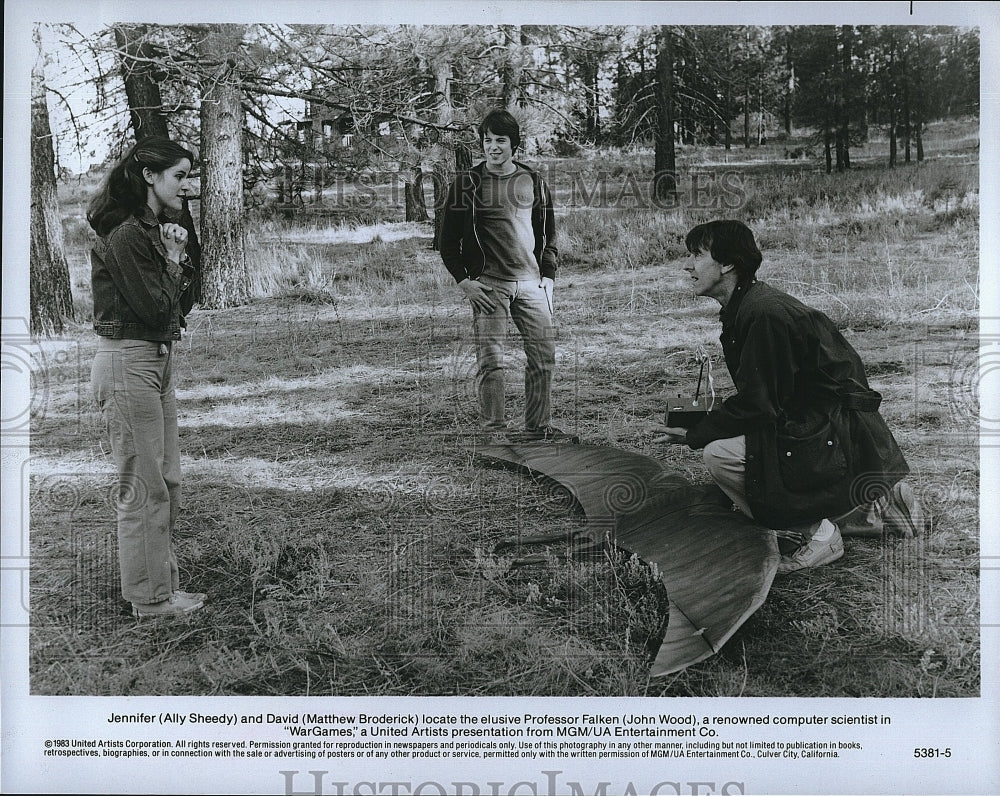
column 816, row 445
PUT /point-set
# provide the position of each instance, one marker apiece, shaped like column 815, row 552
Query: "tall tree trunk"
column 728, row 113
column 760, row 108
column 413, row 195
column 892, row 136
column 906, row 114
column 622, row 98
column 727, row 100
column 918, row 102
column 50, row 293
column 226, row 279
column 463, row 158
column 746, row 113
column 145, row 104
column 589, row 80
column 846, row 99
column 787, row 109
column 892, row 100
column 746, row 95
column 137, row 62
column 904, row 63
column 664, row 160
column 511, row 73
column 443, row 174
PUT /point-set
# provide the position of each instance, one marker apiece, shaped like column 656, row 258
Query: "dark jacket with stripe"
column 460, row 247
column 816, row 445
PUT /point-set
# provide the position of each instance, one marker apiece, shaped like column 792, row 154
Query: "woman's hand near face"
column 174, row 238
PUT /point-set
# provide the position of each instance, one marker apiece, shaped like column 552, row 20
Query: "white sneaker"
column 813, row 554
column 174, row 605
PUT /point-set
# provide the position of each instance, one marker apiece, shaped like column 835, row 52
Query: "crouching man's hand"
column 478, row 295
column 677, row 436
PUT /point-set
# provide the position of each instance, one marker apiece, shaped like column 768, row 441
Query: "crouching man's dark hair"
column 729, row 243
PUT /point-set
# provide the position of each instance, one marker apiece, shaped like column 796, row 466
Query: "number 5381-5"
column 931, row 751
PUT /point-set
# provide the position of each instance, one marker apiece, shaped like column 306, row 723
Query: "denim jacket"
column 139, row 294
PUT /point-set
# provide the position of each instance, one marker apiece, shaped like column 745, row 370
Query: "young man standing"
column 498, row 242
column 801, row 445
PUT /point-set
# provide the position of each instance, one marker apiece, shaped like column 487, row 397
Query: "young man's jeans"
column 529, row 306
column 133, row 387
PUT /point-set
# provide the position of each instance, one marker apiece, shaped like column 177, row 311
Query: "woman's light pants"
column 132, row 384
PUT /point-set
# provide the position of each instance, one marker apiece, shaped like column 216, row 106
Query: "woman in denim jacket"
column 140, row 278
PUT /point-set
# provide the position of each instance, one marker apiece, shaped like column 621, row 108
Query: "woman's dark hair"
column 729, row 243
column 123, row 193
column 501, row 122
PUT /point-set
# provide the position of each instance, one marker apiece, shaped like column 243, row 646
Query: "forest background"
column 334, row 507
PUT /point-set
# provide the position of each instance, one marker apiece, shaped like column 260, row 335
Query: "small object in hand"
column 684, row 418
column 687, row 415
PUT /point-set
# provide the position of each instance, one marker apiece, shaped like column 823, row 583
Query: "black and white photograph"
column 453, row 399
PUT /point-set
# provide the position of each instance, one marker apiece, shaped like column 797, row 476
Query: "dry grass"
column 340, row 522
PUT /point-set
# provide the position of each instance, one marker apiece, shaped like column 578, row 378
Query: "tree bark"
column 727, row 104
column 463, row 158
column 441, row 168
column 760, row 108
column 892, row 101
column 511, row 73
column 918, row 102
column 50, row 292
column 906, row 111
column 746, row 95
column 413, row 195
column 145, row 104
column 226, row 279
column 846, row 99
column 892, row 137
column 664, row 158
column 789, row 88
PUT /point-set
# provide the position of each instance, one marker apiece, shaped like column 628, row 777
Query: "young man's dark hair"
column 729, row 243
column 501, row 122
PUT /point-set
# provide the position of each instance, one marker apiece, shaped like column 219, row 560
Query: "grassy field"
column 337, row 515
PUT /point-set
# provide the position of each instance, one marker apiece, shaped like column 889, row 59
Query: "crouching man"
column 801, row 446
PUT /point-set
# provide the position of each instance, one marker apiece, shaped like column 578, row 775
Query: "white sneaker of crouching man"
column 821, row 541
